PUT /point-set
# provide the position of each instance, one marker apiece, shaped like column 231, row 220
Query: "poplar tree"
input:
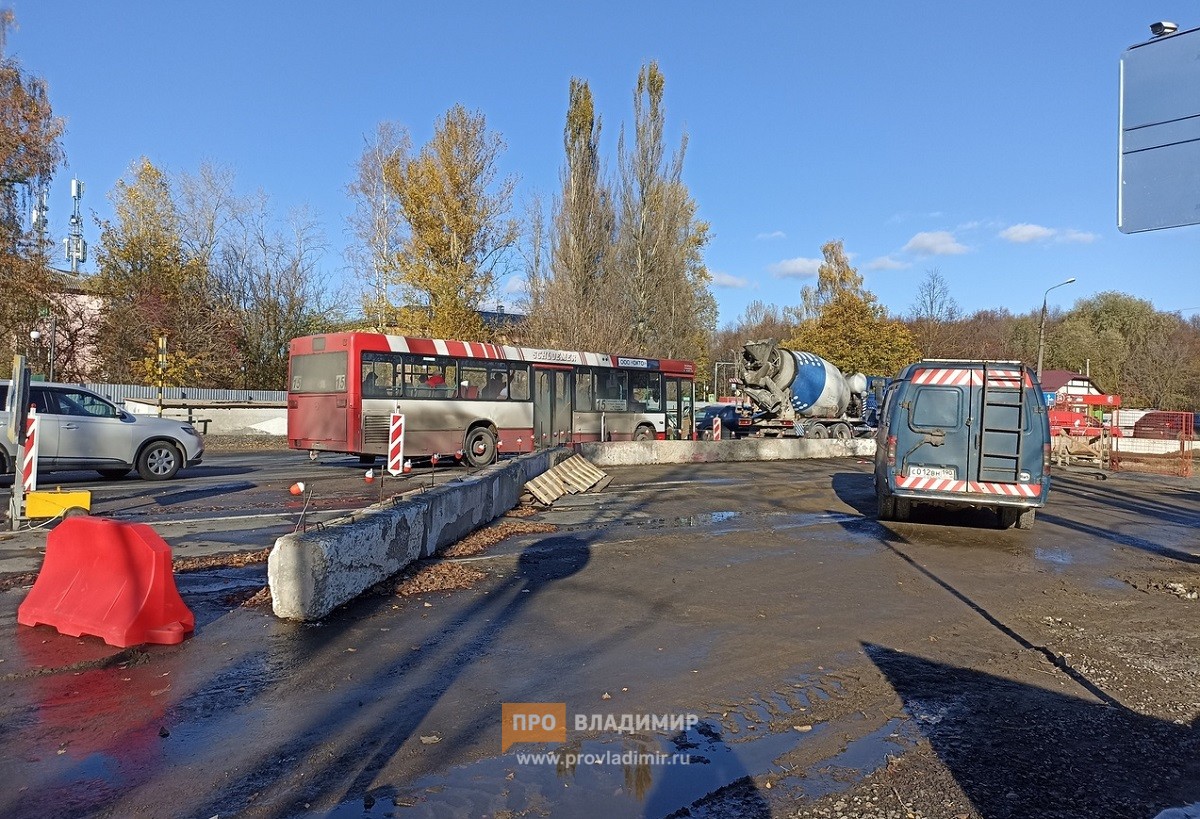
column 570, row 300
column 664, row 282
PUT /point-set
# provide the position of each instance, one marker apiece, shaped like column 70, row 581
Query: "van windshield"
column 936, row 408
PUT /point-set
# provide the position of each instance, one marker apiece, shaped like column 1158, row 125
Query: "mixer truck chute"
column 801, row 392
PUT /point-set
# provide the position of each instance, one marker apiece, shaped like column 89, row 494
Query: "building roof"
column 1055, row 380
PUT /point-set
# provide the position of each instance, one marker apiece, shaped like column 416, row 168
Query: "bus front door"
column 552, row 407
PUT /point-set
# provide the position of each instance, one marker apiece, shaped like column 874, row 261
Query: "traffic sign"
column 18, row 400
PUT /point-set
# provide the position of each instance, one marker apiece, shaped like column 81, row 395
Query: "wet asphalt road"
column 233, row 502
column 813, row 643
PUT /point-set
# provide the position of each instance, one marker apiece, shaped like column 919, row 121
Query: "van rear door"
column 939, row 409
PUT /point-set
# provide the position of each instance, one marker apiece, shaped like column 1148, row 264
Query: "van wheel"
column 903, row 509
column 842, row 432
column 643, row 433
column 887, row 507
column 159, row 461
column 479, row 447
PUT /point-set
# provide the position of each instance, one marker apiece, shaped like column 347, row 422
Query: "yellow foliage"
column 856, row 334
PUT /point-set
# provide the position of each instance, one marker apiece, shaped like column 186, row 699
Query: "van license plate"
column 944, row 473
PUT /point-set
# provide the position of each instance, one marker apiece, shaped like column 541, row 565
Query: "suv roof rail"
column 968, row 361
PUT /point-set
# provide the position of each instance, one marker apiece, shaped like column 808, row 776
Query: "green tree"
column 458, row 231
column 29, row 155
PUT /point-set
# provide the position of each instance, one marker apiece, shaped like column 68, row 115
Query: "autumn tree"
column 933, row 317
column 271, row 286
column 660, row 268
column 29, row 155
column 834, row 276
column 844, row 323
column 457, row 229
column 152, row 285
column 378, row 225
column 571, row 302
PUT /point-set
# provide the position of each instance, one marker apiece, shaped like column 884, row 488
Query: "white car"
column 81, row 430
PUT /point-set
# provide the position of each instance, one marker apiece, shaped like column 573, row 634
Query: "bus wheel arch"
column 644, row 432
column 480, row 444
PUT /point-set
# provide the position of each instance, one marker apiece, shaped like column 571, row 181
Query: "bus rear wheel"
column 643, row 433
column 479, row 447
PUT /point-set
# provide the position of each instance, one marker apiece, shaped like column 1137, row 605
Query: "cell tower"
column 41, row 206
column 74, row 244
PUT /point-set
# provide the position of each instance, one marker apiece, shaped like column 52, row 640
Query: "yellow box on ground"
column 47, row 504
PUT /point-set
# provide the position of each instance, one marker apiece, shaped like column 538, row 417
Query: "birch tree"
column 378, row 224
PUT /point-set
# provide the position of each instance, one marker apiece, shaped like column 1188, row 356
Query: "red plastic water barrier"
column 111, row 580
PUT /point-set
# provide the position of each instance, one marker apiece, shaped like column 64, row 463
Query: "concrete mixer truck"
column 801, row 393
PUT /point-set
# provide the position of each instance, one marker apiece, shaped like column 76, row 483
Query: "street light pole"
column 1042, row 325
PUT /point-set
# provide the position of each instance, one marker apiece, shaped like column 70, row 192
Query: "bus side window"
column 518, row 384
column 584, row 394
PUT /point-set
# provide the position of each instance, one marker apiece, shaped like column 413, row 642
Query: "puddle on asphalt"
column 1059, row 557
column 641, row 775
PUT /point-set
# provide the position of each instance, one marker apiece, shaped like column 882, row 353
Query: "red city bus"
column 483, row 399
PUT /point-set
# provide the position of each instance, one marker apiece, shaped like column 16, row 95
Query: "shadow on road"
column 1018, row 751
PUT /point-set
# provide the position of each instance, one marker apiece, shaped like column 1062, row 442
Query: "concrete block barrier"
column 312, row 573
column 630, row 453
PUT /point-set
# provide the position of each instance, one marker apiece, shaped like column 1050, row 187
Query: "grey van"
column 964, row 433
column 81, row 430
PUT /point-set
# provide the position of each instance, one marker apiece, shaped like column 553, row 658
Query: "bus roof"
column 480, row 350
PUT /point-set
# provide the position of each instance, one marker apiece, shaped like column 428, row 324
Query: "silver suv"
column 81, row 430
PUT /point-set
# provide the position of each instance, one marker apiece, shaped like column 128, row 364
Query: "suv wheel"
column 159, row 461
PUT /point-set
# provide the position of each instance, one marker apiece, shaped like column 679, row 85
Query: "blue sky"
column 976, row 139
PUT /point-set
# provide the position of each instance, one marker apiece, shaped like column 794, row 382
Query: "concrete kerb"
column 630, row 453
column 312, row 573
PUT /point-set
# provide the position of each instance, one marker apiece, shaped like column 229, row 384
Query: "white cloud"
column 515, row 285
column 1025, row 233
column 935, row 243
column 886, row 263
column 774, row 234
column 798, row 268
column 726, row 280
column 1078, row 236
